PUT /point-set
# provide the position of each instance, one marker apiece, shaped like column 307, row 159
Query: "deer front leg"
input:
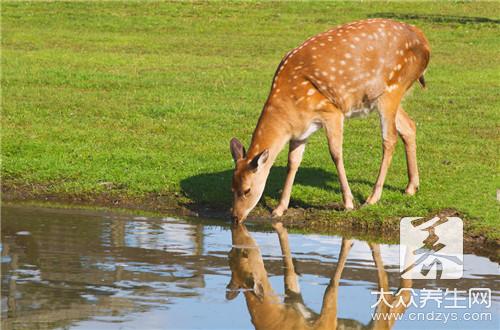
column 334, row 126
column 295, row 154
column 388, row 109
column 328, row 317
column 408, row 131
column 292, row 288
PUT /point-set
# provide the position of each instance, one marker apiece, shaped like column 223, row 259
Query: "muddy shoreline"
column 302, row 220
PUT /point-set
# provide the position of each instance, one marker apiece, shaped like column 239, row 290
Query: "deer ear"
column 232, row 290
column 259, row 160
column 237, row 149
column 258, row 290
column 256, row 286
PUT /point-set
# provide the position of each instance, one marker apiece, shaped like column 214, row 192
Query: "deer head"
column 249, row 179
column 247, row 266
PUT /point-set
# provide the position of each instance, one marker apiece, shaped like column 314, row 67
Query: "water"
column 88, row 270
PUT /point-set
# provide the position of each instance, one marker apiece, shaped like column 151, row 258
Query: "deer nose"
column 237, row 219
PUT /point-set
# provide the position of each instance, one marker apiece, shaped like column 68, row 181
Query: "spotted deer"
column 348, row 71
column 267, row 311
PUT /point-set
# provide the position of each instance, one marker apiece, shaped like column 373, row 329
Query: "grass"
column 142, row 98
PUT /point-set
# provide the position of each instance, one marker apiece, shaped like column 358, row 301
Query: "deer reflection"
column 266, row 309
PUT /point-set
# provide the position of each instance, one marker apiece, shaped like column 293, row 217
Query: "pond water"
column 90, row 270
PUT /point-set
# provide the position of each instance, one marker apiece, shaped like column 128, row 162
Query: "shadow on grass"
column 436, row 18
column 214, row 189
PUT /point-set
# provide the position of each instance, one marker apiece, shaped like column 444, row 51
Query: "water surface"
column 89, row 270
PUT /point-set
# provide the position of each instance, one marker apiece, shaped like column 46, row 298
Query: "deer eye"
column 246, row 192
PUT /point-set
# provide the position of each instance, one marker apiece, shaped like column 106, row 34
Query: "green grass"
column 148, row 95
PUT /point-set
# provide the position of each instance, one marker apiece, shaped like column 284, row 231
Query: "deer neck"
column 267, row 313
column 270, row 133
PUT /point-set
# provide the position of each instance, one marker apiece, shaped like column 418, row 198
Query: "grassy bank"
column 131, row 100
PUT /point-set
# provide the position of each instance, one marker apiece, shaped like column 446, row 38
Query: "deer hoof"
column 411, row 190
column 349, row 206
column 278, row 212
column 371, row 200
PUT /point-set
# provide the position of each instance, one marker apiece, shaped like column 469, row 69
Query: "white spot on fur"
column 391, row 87
column 322, row 103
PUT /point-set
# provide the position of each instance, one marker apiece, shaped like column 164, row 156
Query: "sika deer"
column 347, row 71
column 248, row 274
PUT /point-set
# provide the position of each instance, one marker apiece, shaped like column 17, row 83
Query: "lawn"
column 142, row 98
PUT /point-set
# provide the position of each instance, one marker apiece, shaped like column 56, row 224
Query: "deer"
column 348, row 71
column 267, row 311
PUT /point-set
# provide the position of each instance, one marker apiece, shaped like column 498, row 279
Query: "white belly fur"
column 311, row 129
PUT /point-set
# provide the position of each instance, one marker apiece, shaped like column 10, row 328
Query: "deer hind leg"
column 403, row 293
column 407, row 130
column 295, row 154
column 334, row 126
column 388, row 107
column 383, row 280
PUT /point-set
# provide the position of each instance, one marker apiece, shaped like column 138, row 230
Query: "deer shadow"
column 213, row 190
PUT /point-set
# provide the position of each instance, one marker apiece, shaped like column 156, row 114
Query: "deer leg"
column 328, row 317
column 292, row 288
column 334, row 126
column 388, row 110
column 295, row 154
column 407, row 130
column 383, row 280
column 403, row 294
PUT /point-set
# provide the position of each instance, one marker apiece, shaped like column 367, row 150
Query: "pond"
column 66, row 268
